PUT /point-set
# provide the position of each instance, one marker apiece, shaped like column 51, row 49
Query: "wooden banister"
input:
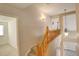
column 48, row 37
column 41, row 48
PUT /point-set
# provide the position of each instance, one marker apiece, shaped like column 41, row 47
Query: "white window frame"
column 1, row 30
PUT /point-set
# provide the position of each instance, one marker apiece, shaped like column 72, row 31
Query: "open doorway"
column 8, row 36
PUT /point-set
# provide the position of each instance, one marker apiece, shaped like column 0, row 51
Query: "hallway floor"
column 7, row 50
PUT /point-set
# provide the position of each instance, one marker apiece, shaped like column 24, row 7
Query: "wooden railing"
column 42, row 47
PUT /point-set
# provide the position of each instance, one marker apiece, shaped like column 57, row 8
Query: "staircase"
column 41, row 49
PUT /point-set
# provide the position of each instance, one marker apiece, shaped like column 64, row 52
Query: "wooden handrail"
column 41, row 48
column 48, row 37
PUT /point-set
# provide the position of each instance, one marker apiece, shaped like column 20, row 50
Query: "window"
column 54, row 24
column 70, row 22
column 1, row 30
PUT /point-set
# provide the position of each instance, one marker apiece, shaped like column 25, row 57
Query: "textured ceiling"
column 48, row 8
column 20, row 5
column 55, row 8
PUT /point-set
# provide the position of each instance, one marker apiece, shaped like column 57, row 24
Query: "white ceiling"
column 50, row 9
column 6, row 19
column 20, row 5
column 56, row 8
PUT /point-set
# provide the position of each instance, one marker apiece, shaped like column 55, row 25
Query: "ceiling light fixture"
column 66, row 31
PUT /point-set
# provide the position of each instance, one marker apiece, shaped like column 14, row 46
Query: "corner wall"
column 28, row 25
column 12, row 33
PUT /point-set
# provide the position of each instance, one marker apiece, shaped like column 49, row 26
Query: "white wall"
column 12, row 33
column 29, row 25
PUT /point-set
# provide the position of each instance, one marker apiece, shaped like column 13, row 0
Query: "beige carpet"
column 7, row 50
